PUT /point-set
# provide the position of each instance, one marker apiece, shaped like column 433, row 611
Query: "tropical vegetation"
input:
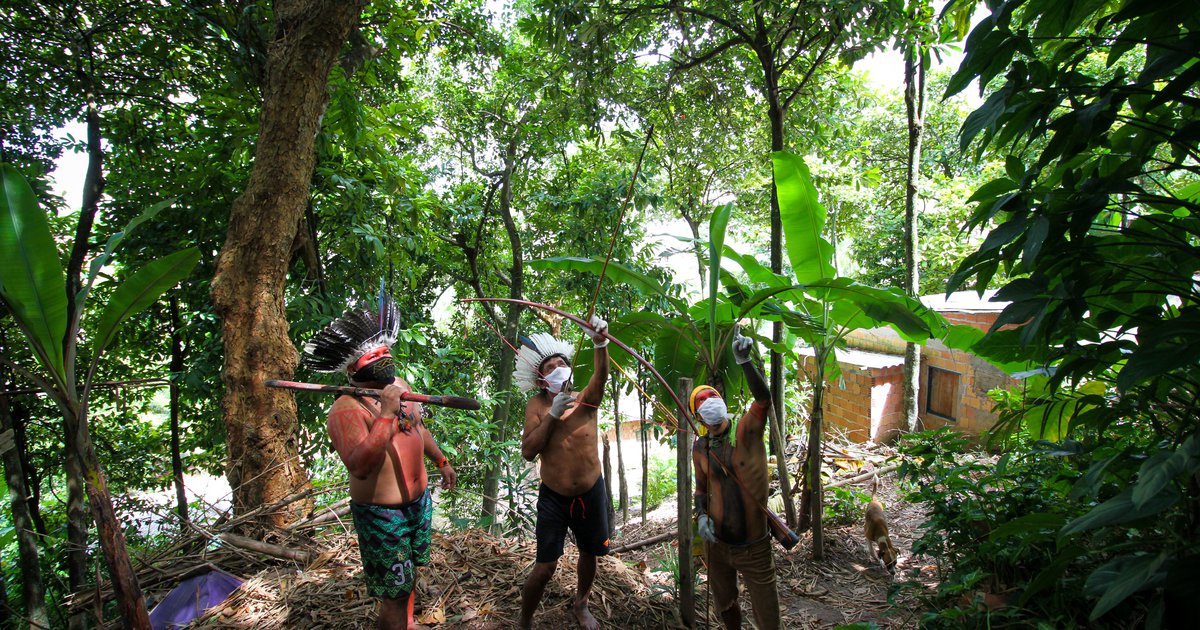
column 250, row 169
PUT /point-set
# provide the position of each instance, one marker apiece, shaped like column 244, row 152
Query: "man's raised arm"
column 594, row 392
column 742, row 351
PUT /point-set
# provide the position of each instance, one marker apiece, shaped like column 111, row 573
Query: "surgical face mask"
column 712, row 411
column 557, row 378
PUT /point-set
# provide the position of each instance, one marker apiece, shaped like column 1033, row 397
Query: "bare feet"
column 585, row 618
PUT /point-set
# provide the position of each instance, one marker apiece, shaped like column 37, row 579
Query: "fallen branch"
column 266, row 548
column 324, row 515
column 863, row 476
column 796, row 489
column 645, row 543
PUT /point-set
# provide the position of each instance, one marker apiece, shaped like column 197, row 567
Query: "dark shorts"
column 585, row 515
column 393, row 541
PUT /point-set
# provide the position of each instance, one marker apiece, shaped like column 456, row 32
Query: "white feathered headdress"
column 352, row 335
column 535, row 349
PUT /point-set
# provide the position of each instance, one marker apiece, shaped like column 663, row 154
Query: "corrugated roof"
column 964, row 302
column 862, row 358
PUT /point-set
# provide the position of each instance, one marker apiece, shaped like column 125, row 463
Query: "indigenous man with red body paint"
column 561, row 428
column 728, row 516
column 383, row 444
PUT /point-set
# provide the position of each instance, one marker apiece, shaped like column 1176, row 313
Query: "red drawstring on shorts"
column 582, row 505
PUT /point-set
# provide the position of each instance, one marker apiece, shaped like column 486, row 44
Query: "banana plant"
column 33, row 289
column 821, row 309
column 689, row 339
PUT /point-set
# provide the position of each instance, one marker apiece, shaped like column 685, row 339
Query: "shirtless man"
column 561, row 427
column 382, row 443
column 729, row 519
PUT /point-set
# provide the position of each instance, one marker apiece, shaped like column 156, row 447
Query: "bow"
column 776, row 525
column 620, row 344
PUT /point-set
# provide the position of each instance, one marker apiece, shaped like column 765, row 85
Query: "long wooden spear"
column 454, row 402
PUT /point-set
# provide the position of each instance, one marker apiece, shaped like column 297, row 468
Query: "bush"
column 993, row 532
column 662, row 481
column 844, row 505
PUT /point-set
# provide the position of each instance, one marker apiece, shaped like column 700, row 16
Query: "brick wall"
column 867, row 404
column 863, row 404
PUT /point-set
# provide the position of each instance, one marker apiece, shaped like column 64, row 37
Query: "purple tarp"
column 191, row 598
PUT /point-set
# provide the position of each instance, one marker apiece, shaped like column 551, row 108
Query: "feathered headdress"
column 535, row 349
column 350, row 336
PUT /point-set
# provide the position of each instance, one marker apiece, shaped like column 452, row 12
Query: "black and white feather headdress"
column 352, row 335
column 535, row 349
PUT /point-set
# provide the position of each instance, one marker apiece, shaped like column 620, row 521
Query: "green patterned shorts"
column 393, row 541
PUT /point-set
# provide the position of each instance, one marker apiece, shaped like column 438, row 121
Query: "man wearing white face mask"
column 560, row 426
column 737, row 541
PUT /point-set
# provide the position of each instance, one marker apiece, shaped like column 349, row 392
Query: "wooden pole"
column 683, row 460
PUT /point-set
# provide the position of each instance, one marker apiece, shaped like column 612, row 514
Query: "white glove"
column 742, row 346
column 599, row 326
column 706, row 528
column 563, row 402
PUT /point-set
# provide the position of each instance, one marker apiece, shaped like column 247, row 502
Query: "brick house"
column 866, row 402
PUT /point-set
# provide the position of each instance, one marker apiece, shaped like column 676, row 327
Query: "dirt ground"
column 474, row 582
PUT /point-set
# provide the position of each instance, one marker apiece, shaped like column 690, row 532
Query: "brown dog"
column 876, row 531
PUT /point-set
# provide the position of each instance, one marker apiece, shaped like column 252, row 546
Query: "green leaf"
column 31, row 276
column 878, row 307
column 803, row 219
column 1028, row 523
column 716, row 244
column 1156, row 473
column 139, row 290
column 993, row 189
column 1121, row 577
column 675, row 357
column 114, row 241
column 1120, row 510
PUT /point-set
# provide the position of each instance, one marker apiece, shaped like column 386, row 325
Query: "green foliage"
column 31, row 277
column 992, row 530
column 1093, row 107
column 844, row 505
column 662, row 481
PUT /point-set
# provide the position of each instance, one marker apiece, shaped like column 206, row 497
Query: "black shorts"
column 586, row 515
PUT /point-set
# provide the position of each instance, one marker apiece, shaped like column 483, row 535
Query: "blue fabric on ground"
column 191, row 598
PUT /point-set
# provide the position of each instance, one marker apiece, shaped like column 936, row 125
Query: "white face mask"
column 557, row 378
column 712, row 411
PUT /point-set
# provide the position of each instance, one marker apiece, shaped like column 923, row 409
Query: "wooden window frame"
column 929, row 389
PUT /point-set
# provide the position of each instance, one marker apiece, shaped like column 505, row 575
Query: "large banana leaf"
column 616, row 272
column 31, row 276
column 675, row 357
column 860, row 306
column 102, row 259
column 139, row 291
column 803, row 219
column 755, row 270
column 716, row 243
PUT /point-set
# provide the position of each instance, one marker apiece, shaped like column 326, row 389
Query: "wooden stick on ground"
column 644, row 543
column 266, row 548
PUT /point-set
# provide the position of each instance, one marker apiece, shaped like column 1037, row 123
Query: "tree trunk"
column 77, row 522
column 502, row 415
column 914, row 104
column 776, row 113
column 813, row 471
column 248, row 286
column 124, row 580
column 645, row 437
column 176, row 374
column 33, row 590
column 623, row 497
